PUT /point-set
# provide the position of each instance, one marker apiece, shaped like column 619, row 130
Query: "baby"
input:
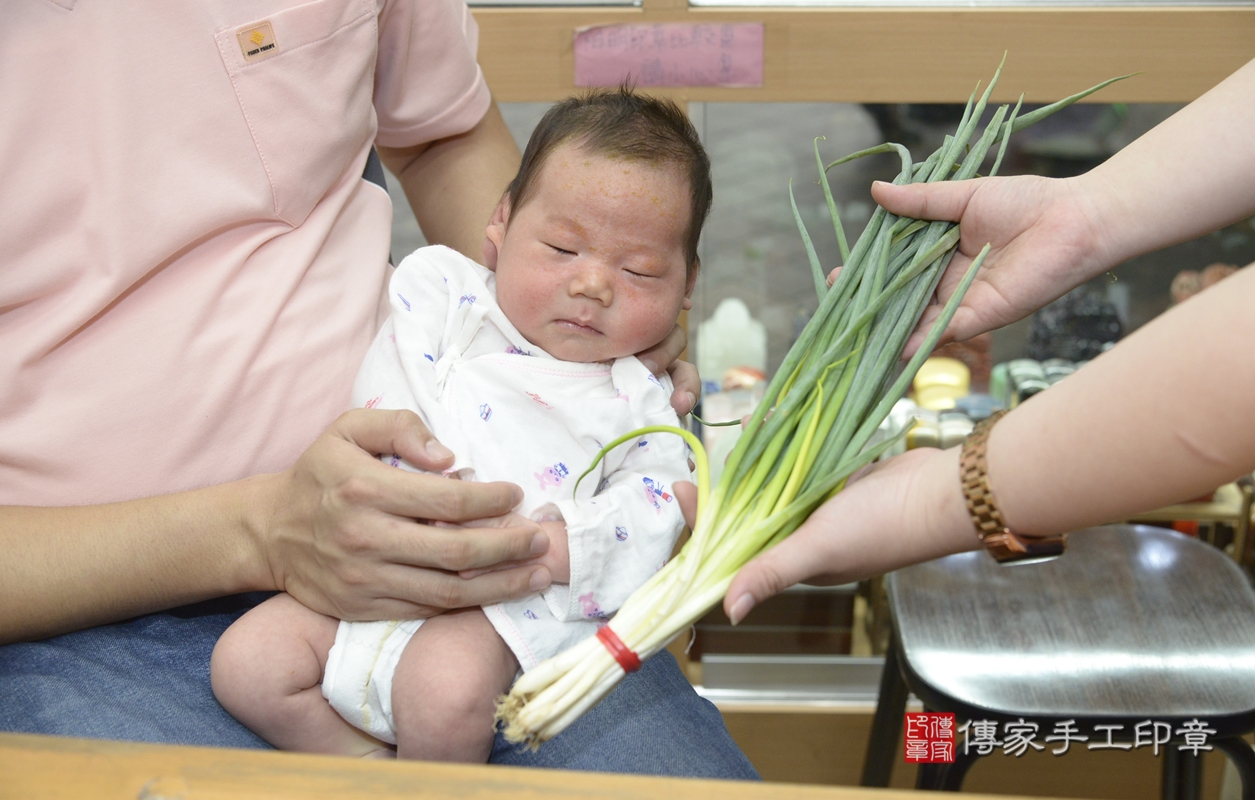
column 524, row 370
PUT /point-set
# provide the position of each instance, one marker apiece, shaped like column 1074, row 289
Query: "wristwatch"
column 1004, row 544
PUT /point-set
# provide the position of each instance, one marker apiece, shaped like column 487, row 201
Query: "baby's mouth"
column 577, row 327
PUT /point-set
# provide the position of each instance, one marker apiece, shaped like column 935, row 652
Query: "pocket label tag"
column 257, row 42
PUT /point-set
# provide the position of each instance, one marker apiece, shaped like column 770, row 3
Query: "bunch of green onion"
column 810, row 432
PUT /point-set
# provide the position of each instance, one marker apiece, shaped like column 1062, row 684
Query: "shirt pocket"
column 304, row 78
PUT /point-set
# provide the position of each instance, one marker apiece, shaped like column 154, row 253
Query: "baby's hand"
column 557, row 559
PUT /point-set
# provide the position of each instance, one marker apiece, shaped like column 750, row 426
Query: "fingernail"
column 539, row 580
column 741, row 607
column 540, row 544
column 438, row 451
column 692, row 400
column 650, row 365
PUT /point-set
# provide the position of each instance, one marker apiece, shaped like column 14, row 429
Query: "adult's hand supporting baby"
column 339, row 530
column 664, row 357
column 557, row 559
column 348, row 536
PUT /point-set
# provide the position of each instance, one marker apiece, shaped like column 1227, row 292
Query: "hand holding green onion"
column 1041, row 245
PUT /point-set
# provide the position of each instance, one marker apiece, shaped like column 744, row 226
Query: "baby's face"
column 592, row 266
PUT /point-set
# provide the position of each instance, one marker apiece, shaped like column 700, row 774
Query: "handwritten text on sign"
column 670, row 54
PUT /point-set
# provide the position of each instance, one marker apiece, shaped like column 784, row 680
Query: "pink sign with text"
column 670, row 54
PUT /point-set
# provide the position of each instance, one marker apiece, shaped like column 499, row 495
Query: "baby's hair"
column 621, row 123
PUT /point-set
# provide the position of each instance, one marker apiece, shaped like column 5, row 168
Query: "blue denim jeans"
column 148, row 680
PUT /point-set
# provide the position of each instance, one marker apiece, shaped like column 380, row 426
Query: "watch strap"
column 1004, row 544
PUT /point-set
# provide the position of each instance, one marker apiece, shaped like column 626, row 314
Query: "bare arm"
column 1164, row 416
column 1189, row 175
column 68, row 568
column 342, row 532
column 453, row 184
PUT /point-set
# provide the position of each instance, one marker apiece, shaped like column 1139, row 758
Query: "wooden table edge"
column 56, row 767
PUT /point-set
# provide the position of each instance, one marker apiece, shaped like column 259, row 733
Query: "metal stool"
column 1131, row 624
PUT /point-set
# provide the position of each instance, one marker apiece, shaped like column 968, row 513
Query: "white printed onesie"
column 511, row 412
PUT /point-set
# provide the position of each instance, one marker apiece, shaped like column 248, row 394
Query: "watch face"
column 1011, row 548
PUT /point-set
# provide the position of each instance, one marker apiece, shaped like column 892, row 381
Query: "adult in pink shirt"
column 192, row 268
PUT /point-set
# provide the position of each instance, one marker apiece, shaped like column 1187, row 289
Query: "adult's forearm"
column 454, row 184
column 340, row 531
column 1165, row 416
column 1190, row 175
column 73, row 567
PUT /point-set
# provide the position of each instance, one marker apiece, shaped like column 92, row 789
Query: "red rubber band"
column 627, row 659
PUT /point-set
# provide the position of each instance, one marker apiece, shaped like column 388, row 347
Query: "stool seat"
column 1129, row 621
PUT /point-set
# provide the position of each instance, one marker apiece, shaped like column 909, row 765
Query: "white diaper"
column 360, row 666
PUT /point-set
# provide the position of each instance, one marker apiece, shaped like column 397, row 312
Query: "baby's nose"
column 593, row 282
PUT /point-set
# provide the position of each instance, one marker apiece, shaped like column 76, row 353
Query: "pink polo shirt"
column 191, row 266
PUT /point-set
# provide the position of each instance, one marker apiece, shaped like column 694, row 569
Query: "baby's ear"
column 494, row 234
column 690, row 283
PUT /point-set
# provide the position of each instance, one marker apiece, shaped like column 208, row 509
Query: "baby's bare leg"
column 267, row 671
column 446, row 686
